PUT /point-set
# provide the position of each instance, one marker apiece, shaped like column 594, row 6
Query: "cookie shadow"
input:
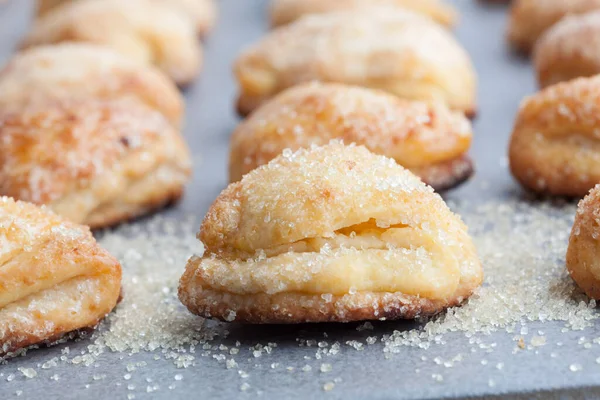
column 301, row 334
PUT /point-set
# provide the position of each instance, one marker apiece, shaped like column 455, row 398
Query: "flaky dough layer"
column 329, row 227
column 55, row 278
column 384, row 48
column 554, row 148
column 429, row 139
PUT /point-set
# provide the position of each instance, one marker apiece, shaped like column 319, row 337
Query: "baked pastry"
column 529, row 19
column 582, row 254
column 283, row 12
column 202, row 12
column 144, row 30
column 553, row 148
column 430, row 140
column 96, row 162
column 568, row 50
column 82, row 70
column 333, row 233
column 378, row 47
column 55, row 278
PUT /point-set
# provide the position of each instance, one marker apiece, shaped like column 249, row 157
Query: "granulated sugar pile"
column 521, row 245
column 150, row 317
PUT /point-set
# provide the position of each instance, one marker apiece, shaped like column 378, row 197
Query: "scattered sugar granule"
column 50, row 363
column 245, row 386
column 29, row 373
column 326, row 368
column 575, row 367
column 537, row 341
column 328, row 386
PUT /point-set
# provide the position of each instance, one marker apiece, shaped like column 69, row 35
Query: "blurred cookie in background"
column 385, row 48
column 283, row 12
column 202, row 12
column 529, row 19
column 144, row 30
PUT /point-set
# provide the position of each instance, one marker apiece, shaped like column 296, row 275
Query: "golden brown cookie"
column 568, row 50
column 583, row 262
column 202, row 12
column 83, row 70
column 144, row 30
column 529, row 19
column 95, row 162
column 333, row 233
column 283, row 12
column 54, row 276
column 428, row 139
column 385, row 48
column 554, row 148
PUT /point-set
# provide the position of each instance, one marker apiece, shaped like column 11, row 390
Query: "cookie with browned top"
column 529, row 19
column 82, row 70
column 384, row 48
column 569, row 49
column 429, row 139
column 555, row 148
column 583, row 262
column 143, row 30
column 54, row 276
column 202, row 12
column 333, row 233
column 97, row 162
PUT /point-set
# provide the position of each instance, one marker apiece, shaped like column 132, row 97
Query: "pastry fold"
column 334, row 233
column 384, row 48
column 54, row 278
column 428, row 139
column 144, row 30
column 283, row 12
column 96, row 162
column 555, row 146
column 74, row 71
